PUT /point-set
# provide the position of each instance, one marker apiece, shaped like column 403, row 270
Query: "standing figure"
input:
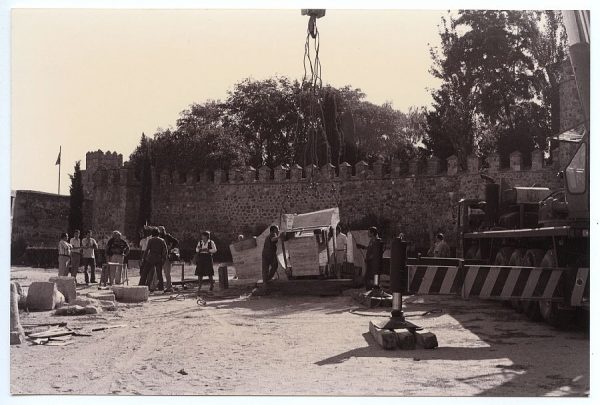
column 64, row 254
column 373, row 258
column 171, row 244
column 269, row 254
column 75, row 253
column 88, row 244
column 341, row 245
column 204, row 260
column 440, row 248
column 116, row 248
column 153, row 259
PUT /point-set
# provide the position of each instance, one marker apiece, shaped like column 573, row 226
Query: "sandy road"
column 303, row 345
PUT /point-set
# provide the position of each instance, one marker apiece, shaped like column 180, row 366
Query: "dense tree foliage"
column 496, row 94
column 76, row 200
column 267, row 122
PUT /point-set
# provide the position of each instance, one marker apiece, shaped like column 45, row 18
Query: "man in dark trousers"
column 269, row 254
column 154, row 257
column 374, row 257
column 171, row 244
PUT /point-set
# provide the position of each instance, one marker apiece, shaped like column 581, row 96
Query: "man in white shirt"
column 75, row 253
column 64, row 254
column 341, row 245
column 88, row 244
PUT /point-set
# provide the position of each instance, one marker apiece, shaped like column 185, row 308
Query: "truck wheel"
column 473, row 253
column 503, row 258
column 532, row 258
column 550, row 311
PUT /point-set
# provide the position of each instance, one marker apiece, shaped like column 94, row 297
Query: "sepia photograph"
column 330, row 201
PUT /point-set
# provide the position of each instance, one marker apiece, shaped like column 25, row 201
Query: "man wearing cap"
column 440, row 248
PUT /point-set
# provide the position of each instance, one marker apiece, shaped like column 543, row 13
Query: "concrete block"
column 426, row 340
column 16, row 338
column 384, row 338
column 102, row 295
column 66, row 285
column 91, row 310
column 16, row 330
column 131, row 293
column 70, row 310
column 406, row 340
column 44, row 296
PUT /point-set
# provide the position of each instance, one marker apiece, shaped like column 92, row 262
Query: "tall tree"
column 76, row 199
column 145, row 176
column 491, row 64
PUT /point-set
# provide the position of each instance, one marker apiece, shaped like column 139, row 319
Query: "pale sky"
column 97, row 79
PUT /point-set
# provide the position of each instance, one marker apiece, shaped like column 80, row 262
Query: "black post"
column 397, row 269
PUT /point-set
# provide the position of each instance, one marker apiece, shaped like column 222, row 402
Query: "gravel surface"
column 237, row 344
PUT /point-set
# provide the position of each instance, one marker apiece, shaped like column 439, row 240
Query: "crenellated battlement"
column 380, row 169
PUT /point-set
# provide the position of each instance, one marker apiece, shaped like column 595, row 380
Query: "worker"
column 341, row 246
column 64, row 254
column 75, row 253
column 440, row 248
column 205, row 250
column 171, row 257
column 116, row 248
column 374, row 257
column 269, row 254
column 153, row 259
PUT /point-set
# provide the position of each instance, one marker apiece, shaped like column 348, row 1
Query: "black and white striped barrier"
column 500, row 282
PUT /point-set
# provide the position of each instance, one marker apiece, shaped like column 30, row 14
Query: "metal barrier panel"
column 510, row 282
column 434, row 279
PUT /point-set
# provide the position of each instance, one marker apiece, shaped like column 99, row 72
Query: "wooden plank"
column 51, row 333
column 304, row 256
column 384, row 338
column 108, row 327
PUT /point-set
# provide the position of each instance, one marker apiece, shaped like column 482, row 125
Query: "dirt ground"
column 286, row 345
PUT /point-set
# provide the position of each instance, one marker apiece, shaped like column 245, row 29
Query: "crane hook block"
column 316, row 13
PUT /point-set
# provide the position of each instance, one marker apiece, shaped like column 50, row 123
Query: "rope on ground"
column 176, row 297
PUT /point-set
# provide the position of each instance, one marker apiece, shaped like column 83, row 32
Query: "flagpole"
column 59, row 163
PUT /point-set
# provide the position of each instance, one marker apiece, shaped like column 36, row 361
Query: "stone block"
column 378, row 168
column 296, row 172
column 102, row 295
column 264, row 174
column 413, row 167
column 44, row 296
column 361, row 168
column 537, row 160
column 219, row 176
column 433, row 165
column 130, row 293
column 396, row 168
column 515, row 161
column 493, row 161
column 406, row 340
column 384, row 338
column 249, row 175
column 16, row 338
column 345, row 170
column 310, row 171
column 426, row 340
column 473, row 164
column 452, row 163
column 328, row 171
column 280, row 173
column 16, row 330
column 66, row 285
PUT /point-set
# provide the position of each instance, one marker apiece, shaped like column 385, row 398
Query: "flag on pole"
column 58, row 158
